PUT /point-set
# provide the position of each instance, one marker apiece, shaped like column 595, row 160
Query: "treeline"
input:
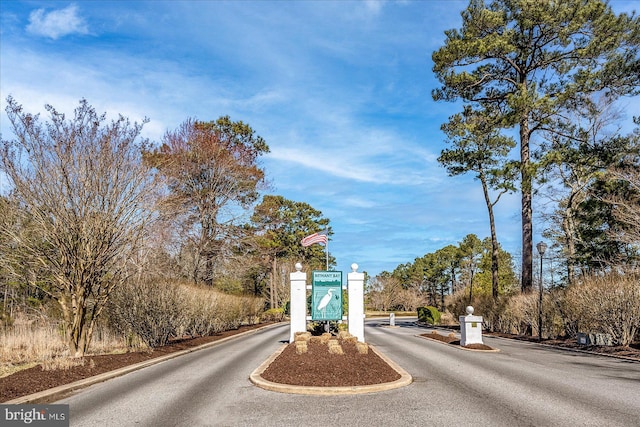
column 93, row 210
column 541, row 85
column 429, row 279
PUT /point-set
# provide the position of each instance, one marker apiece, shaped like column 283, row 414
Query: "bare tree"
column 213, row 176
column 83, row 187
column 627, row 210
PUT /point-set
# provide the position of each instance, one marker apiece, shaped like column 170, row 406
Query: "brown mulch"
column 455, row 341
column 36, row 379
column 318, row 367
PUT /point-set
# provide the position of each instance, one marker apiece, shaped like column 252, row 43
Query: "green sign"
column 326, row 295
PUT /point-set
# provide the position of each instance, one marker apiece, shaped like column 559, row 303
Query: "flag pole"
column 327, row 252
column 326, row 248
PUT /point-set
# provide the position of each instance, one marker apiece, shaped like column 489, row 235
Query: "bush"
column 157, row 311
column 273, row 315
column 152, row 310
column 609, row 304
column 429, row 314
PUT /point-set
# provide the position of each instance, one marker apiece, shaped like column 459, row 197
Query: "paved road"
column 523, row 385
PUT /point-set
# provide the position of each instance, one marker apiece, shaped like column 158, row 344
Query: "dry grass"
column 333, row 343
column 64, row 363
column 324, row 338
column 363, row 348
column 28, row 343
column 302, row 336
column 301, row 347
column 335, row 347
column 344, row 335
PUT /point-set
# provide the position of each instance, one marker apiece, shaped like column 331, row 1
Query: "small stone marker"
column 470, row 328
column 392, row 319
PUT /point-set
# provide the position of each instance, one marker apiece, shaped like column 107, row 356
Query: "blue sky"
column 340, row 90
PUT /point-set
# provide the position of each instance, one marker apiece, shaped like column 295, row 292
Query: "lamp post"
column 542, row 247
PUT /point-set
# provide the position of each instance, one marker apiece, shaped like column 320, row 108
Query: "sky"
column 339, row 90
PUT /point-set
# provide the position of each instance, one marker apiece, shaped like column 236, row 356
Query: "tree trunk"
column 569, row 229
column 495, row 248
column 527, row 226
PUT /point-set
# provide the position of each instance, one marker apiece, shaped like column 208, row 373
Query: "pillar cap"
column 298, row 266
column 469, row 310
column 354, row 267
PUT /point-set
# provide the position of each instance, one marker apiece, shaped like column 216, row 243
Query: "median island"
column 328, row 364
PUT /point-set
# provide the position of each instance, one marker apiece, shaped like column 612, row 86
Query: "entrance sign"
column 326, row 295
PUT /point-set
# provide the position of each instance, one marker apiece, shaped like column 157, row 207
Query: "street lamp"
column 542, row 247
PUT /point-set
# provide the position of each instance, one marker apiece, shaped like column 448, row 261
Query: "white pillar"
column 470, row 328
column 298, row 304
column 355, row 289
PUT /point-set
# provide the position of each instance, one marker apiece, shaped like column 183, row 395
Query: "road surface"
column 523, row 385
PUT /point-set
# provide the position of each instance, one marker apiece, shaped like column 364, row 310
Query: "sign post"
column 326, row 295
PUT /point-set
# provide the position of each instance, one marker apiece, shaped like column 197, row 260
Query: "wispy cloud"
column 339, row 90
column 57, row 23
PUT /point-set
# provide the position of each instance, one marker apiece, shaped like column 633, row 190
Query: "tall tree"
column 85, row 196
column 575, row 161
column 280, row 225
column 479, row 148
column 213, row 176
column 533, row 61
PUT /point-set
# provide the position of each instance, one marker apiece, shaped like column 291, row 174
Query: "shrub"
column 519, row 315
column 150, row 309
column 429, row 315
column 158, row 311
column 273, row 315
column 608, row 304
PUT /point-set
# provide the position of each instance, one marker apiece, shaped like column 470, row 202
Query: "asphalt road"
column 523, row 385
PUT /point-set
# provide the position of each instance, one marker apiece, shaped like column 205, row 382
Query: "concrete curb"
column 57, row 393
column 256, row 378
column 459, row 347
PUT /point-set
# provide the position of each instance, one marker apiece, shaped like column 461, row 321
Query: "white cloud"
column 358, row 202
column 57, row 23
column 374, row 6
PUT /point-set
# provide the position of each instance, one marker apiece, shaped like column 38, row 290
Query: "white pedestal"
column 355, row 289
column 470, row 328
column 298, row 305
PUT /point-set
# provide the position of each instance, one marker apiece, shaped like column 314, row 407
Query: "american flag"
column 320, row 237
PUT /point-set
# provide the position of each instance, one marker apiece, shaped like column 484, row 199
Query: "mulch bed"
column 319, row 368
column 36, row 379
column 455, row 341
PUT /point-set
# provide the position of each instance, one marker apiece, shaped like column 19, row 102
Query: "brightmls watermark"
column 34, row 415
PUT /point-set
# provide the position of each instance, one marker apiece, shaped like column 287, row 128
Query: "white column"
column 355, row 289
column 298, row 304
column 470, row 328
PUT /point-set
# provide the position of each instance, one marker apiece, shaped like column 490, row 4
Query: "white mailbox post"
column 470, row 328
